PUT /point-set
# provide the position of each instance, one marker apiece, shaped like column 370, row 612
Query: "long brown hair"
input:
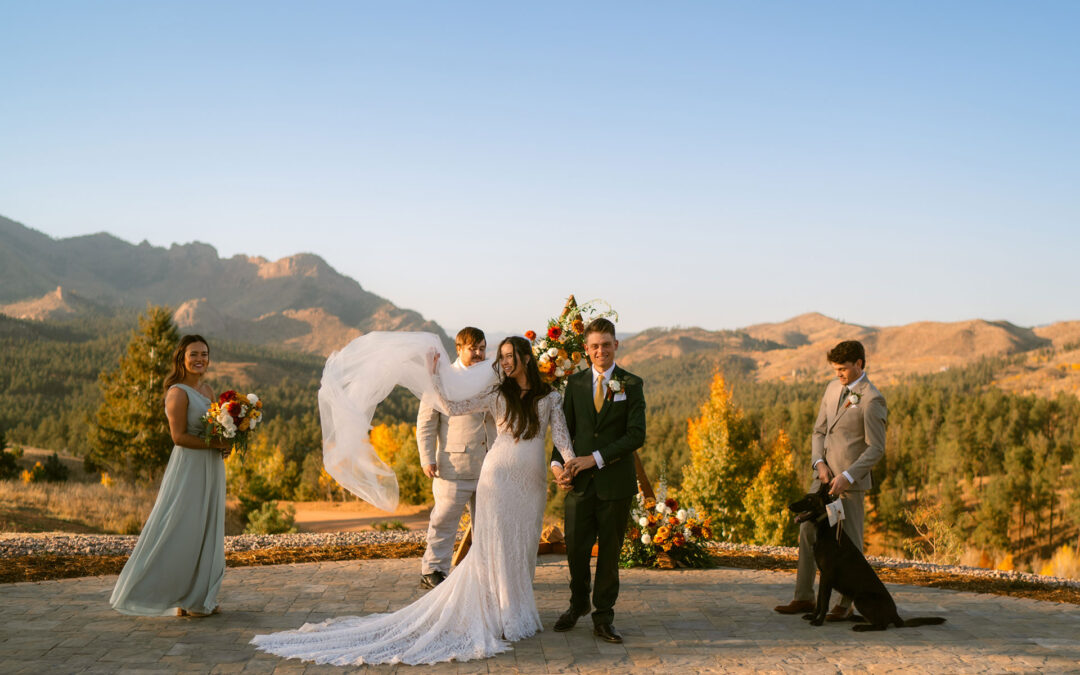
column 522, row 412
column 179, row 372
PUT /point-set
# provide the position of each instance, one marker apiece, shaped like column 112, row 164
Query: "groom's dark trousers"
column 598, row 505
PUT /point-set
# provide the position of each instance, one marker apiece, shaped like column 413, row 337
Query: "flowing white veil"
column 361, row 375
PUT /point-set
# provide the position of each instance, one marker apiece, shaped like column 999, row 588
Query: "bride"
column 487, row 601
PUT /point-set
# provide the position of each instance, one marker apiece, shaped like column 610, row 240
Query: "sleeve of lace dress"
column 560, row 435
column 484, row 401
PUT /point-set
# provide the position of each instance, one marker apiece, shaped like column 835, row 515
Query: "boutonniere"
column 616, row 385
column 852, row 399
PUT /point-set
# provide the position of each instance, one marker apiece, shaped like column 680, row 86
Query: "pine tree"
column 723, row 461
column 130, row 434
column 774, row 487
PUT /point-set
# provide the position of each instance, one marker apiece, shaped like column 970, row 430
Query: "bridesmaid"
column 179, row 561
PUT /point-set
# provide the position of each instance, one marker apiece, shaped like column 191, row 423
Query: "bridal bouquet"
column 232, row 417
column 661, row 534
column 560, row 352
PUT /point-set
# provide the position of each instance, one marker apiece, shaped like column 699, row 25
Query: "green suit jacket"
column 615, row 432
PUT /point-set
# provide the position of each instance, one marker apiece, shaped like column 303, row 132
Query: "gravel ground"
column 896, row 563
column 14, row 545
column 63, row 543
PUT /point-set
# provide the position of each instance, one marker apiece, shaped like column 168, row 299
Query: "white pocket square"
column 619, row 397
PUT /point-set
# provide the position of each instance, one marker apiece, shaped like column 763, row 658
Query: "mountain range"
column 300, row 303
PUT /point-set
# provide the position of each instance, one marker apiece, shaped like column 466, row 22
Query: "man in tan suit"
column 848, row 440
column 452, row 450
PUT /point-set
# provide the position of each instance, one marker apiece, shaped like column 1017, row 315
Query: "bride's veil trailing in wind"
column 361, row 375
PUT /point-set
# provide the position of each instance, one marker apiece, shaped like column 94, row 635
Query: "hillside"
column 298, row 302
column 1046, row 360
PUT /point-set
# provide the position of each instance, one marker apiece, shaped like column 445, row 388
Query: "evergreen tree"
column 774, row 487
column 724, row 458
column 130, row 434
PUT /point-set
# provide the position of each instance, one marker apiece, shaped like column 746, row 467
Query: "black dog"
column 844, row 568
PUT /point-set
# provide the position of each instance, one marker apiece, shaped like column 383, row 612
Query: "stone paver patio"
column 673, row 622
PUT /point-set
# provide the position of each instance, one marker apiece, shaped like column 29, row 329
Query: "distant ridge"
column 793, row 350
column 298, row 302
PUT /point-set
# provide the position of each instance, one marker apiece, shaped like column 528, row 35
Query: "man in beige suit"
column 848, row 440
column 452, row 450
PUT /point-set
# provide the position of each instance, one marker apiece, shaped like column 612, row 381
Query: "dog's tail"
column 923, row 621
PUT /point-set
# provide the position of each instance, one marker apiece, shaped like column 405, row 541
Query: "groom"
column 605, row 413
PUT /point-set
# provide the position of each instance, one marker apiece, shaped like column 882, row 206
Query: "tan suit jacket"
column 850, row 437
column 455, row 445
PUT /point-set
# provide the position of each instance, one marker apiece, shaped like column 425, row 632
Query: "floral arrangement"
column 232, row 417
column 661, row 534
column 560, row 352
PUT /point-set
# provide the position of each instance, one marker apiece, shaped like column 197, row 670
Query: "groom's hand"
column 579, row 464
column 429, row 470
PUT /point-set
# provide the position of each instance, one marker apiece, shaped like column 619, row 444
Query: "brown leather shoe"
column 795, row 607
column 839, row 613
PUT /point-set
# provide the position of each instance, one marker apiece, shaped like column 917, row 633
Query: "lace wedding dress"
column 487, row 601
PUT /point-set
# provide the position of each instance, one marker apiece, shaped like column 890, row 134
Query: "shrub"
column 55, row 470
column 390, row 525
column 269, row 519
column 9, row 466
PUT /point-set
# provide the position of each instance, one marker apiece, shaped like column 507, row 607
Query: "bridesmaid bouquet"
column 561, row 351
column 661, row 534
column 232, row 417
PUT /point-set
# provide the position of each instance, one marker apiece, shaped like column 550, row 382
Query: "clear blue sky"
column 697, row 163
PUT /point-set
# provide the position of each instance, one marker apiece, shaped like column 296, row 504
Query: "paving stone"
column 672, row 622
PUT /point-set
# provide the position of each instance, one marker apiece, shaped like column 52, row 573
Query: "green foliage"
column 773, row 488
column 724, row 458
column 390, row 525
column 9, row 466
column 269, row 519
column 55, row 470
column 52, row 471
column 130, row 434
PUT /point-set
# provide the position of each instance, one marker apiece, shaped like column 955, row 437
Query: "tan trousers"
column 853, row 501
column 451, row 496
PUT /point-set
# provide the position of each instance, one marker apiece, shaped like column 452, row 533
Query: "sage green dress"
column 179, row 560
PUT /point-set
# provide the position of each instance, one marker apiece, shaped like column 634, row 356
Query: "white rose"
column 568, row 365
column 681, row 515
column 853, row 399
column 559, row 372
column 615, row 385
column 646, row 539
column 542, row 344
column 643, row 521
column 552, row 353
column 544, row 358
column 252, row 399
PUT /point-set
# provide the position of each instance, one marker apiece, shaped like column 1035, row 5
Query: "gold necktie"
column 598, row 398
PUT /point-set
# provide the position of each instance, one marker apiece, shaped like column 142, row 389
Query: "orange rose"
column 530, row 335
